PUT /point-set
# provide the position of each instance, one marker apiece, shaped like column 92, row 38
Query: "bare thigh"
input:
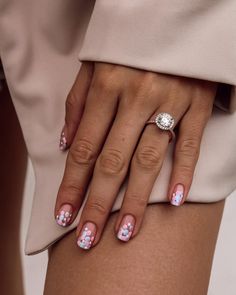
column 172, row 255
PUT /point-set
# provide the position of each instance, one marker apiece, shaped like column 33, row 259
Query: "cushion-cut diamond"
column 164, row 121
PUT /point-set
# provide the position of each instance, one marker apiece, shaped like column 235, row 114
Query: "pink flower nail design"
column 178, row 195
column 87, row 236
column 63, row 142
column 126, row 228
column 64, row 216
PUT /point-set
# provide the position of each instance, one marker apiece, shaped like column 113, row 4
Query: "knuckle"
column 111, row 162
column 136, row 200
column 149, row 79
column 97, row 205
column 70, row 189
column 104, row 83
column 100, row 83
column 140, row 87
column 71, row 100
column 148, row 158
column 82, row 152
column 145, row 86
column 189, row 148
column 186, row 170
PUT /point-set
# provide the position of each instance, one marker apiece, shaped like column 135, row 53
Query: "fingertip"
column 64, row 215
column 87, row 235
column 63, row 143
column 126, row 228
column 178, row 195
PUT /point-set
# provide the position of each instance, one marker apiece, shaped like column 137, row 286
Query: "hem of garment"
column 46, row 247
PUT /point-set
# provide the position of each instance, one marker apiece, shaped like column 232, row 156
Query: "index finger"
column 99, row 112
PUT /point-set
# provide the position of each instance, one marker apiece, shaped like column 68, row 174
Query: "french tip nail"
column 87, row 236
column 64, row 215
column 126, row 228
column 177, row 195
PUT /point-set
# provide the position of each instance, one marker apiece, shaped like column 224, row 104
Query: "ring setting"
column 164, row 121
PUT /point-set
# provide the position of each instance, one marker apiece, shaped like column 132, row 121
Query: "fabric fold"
column 187, row 38
column 39, row 47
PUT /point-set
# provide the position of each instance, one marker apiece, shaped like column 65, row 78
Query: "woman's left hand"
column 106, row 112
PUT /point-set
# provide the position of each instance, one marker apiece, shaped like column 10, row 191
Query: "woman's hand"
column 106, row 112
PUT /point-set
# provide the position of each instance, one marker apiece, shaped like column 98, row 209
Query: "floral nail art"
column 63, row 141
column 126, row 228
column 64, row 216
column 87, row 236
column 177, row 195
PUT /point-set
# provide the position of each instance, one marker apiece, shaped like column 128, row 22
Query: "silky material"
column 42, row 44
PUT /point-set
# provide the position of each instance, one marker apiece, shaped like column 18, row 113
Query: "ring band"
column 164, row 121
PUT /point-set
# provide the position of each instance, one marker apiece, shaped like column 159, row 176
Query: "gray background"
column 223, row 278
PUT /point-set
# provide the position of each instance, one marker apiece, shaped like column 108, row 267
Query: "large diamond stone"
column 164, row 121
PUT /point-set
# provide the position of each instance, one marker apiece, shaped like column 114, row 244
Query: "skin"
column 106, row 112
column 14, row 162
column 172, row 255
column 70, row 271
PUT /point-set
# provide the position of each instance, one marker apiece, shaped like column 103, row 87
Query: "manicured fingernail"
column 178, row 195
column 87, row 236
column 126, row 228
column 63, row 141
column 64, row 215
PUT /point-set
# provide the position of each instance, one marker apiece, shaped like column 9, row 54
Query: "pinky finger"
column 186, row 155
column 75, row 104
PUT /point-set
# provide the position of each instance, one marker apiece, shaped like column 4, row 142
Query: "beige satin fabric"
column 39, row 47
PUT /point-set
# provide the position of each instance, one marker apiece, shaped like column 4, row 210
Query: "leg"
column 12, row 176
column 172, row 255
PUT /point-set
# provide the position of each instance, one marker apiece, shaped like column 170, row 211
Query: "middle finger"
column 110, row 170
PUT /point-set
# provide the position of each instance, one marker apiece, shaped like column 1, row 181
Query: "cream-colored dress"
column 41, row 43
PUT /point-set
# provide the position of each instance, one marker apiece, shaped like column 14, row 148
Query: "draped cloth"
column 42, row 45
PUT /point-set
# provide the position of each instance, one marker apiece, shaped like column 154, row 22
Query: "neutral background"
column 223, row 278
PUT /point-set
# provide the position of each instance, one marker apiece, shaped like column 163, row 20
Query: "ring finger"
column 145, row 167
